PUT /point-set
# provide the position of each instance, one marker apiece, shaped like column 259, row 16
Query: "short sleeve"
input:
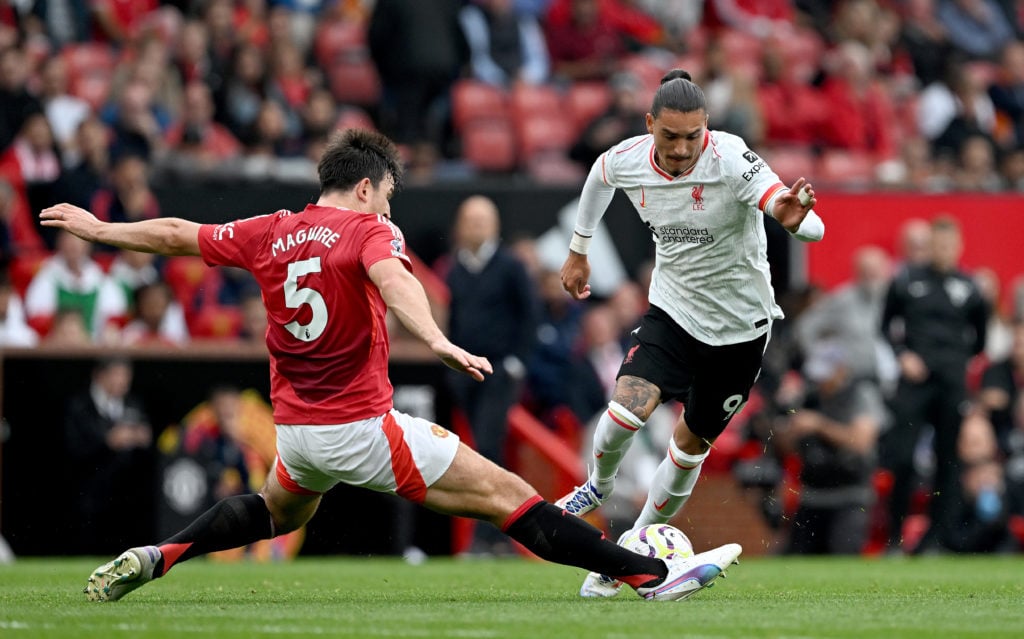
column 752, row 180
column 382, row 240
column 233, row 243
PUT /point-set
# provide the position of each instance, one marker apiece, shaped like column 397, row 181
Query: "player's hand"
column 462, row 361
column 575, row 275
column 71, row 218
column 789, row 210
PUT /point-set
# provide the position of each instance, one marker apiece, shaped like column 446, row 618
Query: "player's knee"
column 689, row 442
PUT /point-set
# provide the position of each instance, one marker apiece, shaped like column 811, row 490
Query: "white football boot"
column 582, row 500
column 117, row 578
column 597, row 585
column 687, row 576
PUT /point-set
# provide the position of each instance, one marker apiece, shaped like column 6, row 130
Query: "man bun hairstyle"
column 354, row 154
column 679, row 93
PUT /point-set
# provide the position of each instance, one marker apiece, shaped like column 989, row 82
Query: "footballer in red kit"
column 312, row 268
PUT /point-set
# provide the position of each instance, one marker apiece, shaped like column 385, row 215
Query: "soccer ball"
column 658, row 540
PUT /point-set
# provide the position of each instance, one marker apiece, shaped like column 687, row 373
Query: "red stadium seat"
column 530, row 99
column 217, row 322
column 473, row 100
column 23, row 268
column 587, row 100
column 791, row 162
column 337, row 40
column 542, row 132
column 489, row 145
column 355, row 82
column 847, row 169
column 554, row 168
column 185, row 275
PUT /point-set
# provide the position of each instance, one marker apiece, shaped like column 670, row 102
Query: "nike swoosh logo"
column 599, row 455
column 661, row 506
column 642, row 198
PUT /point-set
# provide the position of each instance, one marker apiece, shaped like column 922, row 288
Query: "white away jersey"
column 711, row 271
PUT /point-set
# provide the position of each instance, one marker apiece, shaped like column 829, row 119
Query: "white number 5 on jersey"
column 294, row 297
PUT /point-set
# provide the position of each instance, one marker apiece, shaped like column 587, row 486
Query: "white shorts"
column 393, row 453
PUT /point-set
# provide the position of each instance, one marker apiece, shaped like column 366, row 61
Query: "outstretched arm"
column 594, row 201
column 166, row 236
column 404, row 295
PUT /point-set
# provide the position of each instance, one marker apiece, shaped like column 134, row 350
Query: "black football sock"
column 230, row 523
column 555, row 535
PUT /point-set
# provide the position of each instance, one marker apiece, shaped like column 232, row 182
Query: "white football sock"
column 612, row 438
column 673, row 482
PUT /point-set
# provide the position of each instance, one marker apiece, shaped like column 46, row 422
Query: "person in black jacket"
column 109, row 444
column 943, row 317
column 493, row 311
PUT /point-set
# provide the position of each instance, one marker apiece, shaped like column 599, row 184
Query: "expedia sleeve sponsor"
column 684, row 234
column 754, row 170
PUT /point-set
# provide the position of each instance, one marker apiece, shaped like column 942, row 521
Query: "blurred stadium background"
column 896, row 110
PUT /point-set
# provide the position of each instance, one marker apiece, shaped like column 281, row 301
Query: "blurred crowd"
column 102, row 99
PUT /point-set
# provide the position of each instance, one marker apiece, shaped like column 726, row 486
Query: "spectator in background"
column 983, row 507
column 834, row 433
column 16, row 102
column 154, row 318
column 254, row 319
column 759, row 18
column 915, row 244
column 505, row 47
column 238, row 105
column 859, row 112
column 86, row 163
column 732, row 96
column 222, row 37
column 137, row 120
column 583, row 42
column 978, row 28
column 117, row 21
column 33, row 166
column 129, row 197
column 976, row 166
column 18, row 234
column 1011, row 169
column 290, row 83
column 999, row 334
column 957, row 106
column 944, row 321
column 67, row 330
column 1008, row 91
column 64, row 23
column 109, row 444
column 550, row 366
column 849, row 317
column 14, row 330
column 925, row 40
column 1002, row 386
column 622, row 119
column 198, row 142
column 792, row 107
column 493, row 312
column 192, row 59
column 319, row 116
column 419, row 50
column 64, row 112
column 71, row 279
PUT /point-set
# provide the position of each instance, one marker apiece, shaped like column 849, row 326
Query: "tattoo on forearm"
column 637, row 395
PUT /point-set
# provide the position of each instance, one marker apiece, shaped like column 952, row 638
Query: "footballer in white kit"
column 702, row 194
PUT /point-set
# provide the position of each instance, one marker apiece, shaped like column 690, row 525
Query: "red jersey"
column 326, row 334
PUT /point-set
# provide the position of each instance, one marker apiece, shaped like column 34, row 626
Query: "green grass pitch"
column 791, row 598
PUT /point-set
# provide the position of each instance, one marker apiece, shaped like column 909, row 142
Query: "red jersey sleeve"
column 383, row 240
column 234, row 243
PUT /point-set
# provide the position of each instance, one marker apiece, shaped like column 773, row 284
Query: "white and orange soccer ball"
column 658, row 540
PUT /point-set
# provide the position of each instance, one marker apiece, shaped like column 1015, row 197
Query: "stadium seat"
column 846, row 169
column 791, row 162
column 489, row 145
column 355, row 82
column 586, row 101
column 542, row 132
column 473, row 100
column 530, row 99
column 337, row 40
column 185, row 275
column 216, row 321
